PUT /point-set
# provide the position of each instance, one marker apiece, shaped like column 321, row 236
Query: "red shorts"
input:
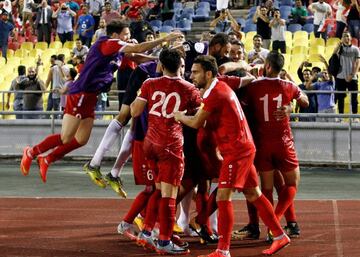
column 168, row 162
column 81, row 105
column 143, row 174
column 276, row 155
column 207, row 147
column 238, row 173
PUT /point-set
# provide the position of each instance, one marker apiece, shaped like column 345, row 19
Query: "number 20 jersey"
column 262, row 98
column 164, row 96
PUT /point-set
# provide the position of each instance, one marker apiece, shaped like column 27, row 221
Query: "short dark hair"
column 21, row 70
column 54, row 56
column 61, row 57
column 257, row 36
column 315, row 69
column 115, row 26
column 220, row 38
column 72, row 73
column 170, row 59
column 237, row 42
column 208, row 63
column 275, row 60
column 306, row 70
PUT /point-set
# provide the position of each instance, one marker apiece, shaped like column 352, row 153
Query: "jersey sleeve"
column 296, row 91
column 210, row 102
column 111, row 46
column 144, row 91
column 195, row 99
column 233, row 82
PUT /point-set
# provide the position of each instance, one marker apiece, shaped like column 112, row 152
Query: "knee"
column 251, row 194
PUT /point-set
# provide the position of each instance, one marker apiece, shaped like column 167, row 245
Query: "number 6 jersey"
column 164, row 96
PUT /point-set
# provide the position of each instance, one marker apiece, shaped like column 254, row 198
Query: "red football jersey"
column 263, row 97
column 165, row 96
column 233, row 82
column 228, row 121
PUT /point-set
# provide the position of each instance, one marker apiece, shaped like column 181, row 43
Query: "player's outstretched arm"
column 137, row 107
column 145, row 46
column 195, row 121
column 303, row 100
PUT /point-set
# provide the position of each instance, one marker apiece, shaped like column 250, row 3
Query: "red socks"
column 268, row 193
column 211, row 207
column 137, row 206
column 225, row 224
column 167, row 212
column 152, row 210
column 286, row 198
column 290, row 214
column 48, row 143
column 61, row 150
column 252, row 212
column 266, row 213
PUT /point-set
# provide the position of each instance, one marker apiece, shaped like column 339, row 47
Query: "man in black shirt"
column 261, row 18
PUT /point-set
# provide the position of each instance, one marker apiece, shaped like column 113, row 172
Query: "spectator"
column 64, row 16
column 109, row 14
column 314, row 71
column 56, row 78
column 353, row 20
column 154, row 12
column 85, row 26
column 298, row 13
column 167, row 9
column 70, row 77
column 80, row 50
column 32, row 101
column 101, row 31
column 224, row 23
column 262, row 20
column 278, row 28
column 258, row 54
column 341, row 9
column 6, row 28
column 321, row 11
column 139, row 27
column 18, row 98
column 101, row 104
column 347, row 78
column 27, row 15
column 312, row 108
column 95, row 8
column 43, row 22
column 284, row 75
column 326, row 102
column 115, row 4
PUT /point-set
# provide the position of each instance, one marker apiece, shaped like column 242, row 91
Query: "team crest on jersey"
column 186, row 47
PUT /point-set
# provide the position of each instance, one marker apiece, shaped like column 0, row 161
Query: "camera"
column 308, row 64
column 63, row 8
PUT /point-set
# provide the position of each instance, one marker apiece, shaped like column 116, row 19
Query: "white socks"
column 124, row 154
column 184, row 217
column 213, row 218
column 111, row 133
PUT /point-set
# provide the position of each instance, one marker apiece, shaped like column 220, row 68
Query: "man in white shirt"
column 278, row 27
column 258, row 54
column 321, row 11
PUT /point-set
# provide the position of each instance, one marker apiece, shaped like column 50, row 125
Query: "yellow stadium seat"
column 313, row 58
column 301, row 42
column 64, row 51
column 8, row 70
column 317, row 49
column 69, row 45
column 250, row 35
column 14, row 61
column 300, row 50
column 10, row 52
column 28, row 62
column 27, row 46
column 41, row 45
column 318, row 64
column 332, row 41
column 57, row 38
column 311, row 35
column 34, row 53
column 55, row 45
column 289, row 38
column 317, row 42
column 21, row 53
column 2, row 60
column 300, row 34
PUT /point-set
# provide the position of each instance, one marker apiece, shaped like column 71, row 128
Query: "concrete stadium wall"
column 315, row 142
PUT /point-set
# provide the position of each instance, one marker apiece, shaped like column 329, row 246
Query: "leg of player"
column 126, row 226
column 167, row 212
column 112, row 132
column 292, row 228
column 184, row 217
column 267, row 214
column 213, row 219
column 287, row 194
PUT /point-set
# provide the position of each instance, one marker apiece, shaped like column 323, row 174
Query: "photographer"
column 262, row 20
column 278, row 27
column 326, row 102
column 347, row 78
column 314, row 71
column 224, row 23
column 64, row 16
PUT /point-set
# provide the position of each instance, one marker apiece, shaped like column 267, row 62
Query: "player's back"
column 165, row 96
column 263, row 97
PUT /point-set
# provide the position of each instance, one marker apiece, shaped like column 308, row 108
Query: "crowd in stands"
column 287, row 26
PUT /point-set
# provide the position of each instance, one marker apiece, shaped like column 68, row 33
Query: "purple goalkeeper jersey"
column 97, row 73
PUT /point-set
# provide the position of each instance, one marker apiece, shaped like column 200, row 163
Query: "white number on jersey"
column 159, row 107
column 237, row 104
column 278, row 99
